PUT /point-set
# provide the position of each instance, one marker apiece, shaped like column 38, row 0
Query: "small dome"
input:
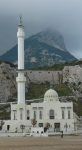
column 51, row 92
column 51, row 96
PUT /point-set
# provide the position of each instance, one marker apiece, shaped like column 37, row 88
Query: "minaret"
column 21, row 79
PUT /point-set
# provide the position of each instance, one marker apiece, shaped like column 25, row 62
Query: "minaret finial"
column 20, row 19
column 50, row 86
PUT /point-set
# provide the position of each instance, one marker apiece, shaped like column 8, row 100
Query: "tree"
column 2, row 123
column 47, row 125
column 22, row 127
column 16, row 129
column 33, row 121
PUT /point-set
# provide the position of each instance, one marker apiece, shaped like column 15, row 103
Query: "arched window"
column 21, row 113
column 34, row 114
column 68, row 114
column 62, row 114
column 14, row 115
column 51, row 113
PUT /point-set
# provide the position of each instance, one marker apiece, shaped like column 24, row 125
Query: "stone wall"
column 53, row 77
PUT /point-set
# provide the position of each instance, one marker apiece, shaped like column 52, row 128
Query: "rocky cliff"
column 8, row 85
column 51, row 37
column 72, row 74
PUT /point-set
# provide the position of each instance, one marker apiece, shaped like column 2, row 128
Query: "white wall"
column 45, row 108
column 40, row 129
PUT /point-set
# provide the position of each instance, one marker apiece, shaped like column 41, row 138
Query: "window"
column 62, row 114
column 69, row 126
column 51, row 99
column 14, row 115
column 28, row 115
column 40, row 124
column 21, row 116
column 21, row 111
column 34, row 114
column 51, row 114
column 68, row 114
column 40, row 115
column 27, row 112
column 8, row 127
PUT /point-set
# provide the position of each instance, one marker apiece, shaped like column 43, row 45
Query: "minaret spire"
column 20, row 19
column 50, row 86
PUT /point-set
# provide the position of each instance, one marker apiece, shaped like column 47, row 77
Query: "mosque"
column 60, row 115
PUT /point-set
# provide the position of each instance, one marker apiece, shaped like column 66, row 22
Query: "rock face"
column 43, row 49
column 52, row 38
column 72, row 74
column 8, row 85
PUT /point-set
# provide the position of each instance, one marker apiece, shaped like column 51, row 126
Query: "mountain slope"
column 52, row 38
column 43, row 49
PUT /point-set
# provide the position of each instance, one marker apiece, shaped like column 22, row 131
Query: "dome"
column 51, row 96
column 51, row 92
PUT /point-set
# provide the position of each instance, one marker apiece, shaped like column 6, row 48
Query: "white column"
column 21, row 79
column 20, row 35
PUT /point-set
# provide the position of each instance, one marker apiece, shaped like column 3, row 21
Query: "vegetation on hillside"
column 78, row 106
column 3, row 113
column 12, row 100
column 59, row 66
column 38, row 90
column 11, row 64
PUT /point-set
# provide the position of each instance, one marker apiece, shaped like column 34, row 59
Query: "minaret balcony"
column 21, row 70
column 20, row 79
column 20, row 34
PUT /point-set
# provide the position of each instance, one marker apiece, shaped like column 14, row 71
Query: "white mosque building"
column 59, row 114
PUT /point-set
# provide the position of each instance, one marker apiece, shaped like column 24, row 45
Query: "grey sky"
column 62, row 15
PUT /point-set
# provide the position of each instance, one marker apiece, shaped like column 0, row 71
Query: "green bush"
column 45, row 129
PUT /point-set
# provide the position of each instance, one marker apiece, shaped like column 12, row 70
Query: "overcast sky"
column 62, row 15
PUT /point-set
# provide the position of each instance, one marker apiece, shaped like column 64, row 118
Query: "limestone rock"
column 72, row 74
column 8, row 85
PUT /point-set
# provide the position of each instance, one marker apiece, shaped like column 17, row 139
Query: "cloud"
column 61, row 15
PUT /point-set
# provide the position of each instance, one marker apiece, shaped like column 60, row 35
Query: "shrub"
column 45, row 129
